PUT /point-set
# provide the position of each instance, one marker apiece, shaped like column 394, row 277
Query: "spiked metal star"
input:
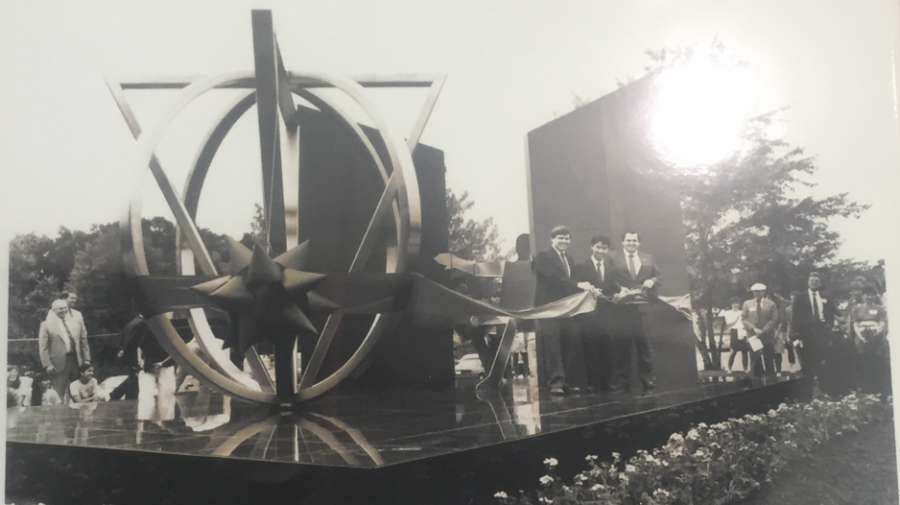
column 268, row 299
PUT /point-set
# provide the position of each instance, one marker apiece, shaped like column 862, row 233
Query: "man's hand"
column 51, row 369
column 586, row 286
column 648, row 284
column 120, row 354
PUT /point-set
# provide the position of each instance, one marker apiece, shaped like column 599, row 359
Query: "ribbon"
column 381, row 293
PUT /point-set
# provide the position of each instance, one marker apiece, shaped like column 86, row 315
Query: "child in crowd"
column 12, row 386
column 49, row 395
column 85, row 389
column 18, row 386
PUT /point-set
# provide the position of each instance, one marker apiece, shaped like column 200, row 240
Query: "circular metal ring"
column 406, row 206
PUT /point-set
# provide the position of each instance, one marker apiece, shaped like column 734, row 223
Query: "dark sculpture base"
column 415, row 446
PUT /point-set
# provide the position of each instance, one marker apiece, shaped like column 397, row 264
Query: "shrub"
column 715, row 464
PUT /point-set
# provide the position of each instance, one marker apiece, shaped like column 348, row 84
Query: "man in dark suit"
column 812, row 317
column 596, row 327
column 636, row 274
column 558, row 340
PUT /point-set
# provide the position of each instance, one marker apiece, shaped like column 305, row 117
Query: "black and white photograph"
column 506, row 253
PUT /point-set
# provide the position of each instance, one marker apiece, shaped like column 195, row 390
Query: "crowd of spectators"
column 842, row 344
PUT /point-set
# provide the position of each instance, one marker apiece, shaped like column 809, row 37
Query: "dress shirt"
column 819, row 302
column 562, row 257
column 637, row 262
column 600, row 268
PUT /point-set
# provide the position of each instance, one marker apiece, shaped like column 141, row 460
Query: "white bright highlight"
column 700, row 111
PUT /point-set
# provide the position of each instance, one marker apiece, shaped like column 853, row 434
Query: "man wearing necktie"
column 760, row 318
column 559, row 349
column 634, row 271
column 812, row 319
column 63, row 347
column 596, row 327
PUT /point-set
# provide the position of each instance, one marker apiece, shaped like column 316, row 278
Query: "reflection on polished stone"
column 363, row 431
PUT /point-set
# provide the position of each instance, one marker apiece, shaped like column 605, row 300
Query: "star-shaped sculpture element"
column 268, row 299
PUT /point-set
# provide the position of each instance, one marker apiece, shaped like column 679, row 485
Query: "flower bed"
column 714, row 464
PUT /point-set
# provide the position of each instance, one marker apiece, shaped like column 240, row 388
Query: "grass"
column 857, row 469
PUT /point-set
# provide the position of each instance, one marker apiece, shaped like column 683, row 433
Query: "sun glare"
column 700, row 111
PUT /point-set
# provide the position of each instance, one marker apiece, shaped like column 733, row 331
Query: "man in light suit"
column 812, row 316
column 596, row 327
column 760, row 318
column 561, row 363
column 634, row 272
column 63, row 347
column 71, row 299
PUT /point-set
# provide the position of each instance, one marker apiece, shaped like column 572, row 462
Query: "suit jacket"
column 623, row 278
column 553, row 283
column 766, row 319
column 803, row 321
column 586, row 272
column 604, row 315
column 52, row 342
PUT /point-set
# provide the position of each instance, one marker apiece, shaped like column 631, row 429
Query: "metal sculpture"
column 272, row 89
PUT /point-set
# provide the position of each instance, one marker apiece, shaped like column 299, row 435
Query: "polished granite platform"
column 340, row 430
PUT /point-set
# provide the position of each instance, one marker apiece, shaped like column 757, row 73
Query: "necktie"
column 758, row 311
column 631, row 266
column 562, row 256
column 69, row 332
column 600, row 270
column 816, row 306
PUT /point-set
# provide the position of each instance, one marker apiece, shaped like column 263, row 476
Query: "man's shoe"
column 649, row 386
column 575, row 389
column 558, row 391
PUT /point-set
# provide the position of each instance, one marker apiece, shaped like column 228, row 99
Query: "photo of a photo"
column 463, row 253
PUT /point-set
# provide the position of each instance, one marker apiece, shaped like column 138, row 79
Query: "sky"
column 68, row 159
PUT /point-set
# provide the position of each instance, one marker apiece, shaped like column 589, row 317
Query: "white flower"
column 771, row 413
column 596, row 487
column 551, row 462
column 660, row 491
column 580, row 478
column 616, row 456
column 782, row 406
column 676, row 438
column 699, row 453
column 693, row 435
column 702, row 425
column 500, row 495
column 853, row 407
column 545, row 500
column 665, row 463
column 630, row 468
column 546, row 480
column 590, row 457
column 650, row 459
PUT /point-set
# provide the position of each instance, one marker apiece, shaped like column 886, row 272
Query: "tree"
column 38, row 270
column 472, row 240
column 745, row 215
column 258, row 230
